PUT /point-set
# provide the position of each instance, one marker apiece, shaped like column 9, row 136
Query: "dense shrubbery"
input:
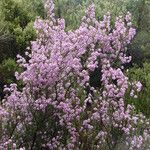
column 58, row 108
column 16, row 30
column 142, row 102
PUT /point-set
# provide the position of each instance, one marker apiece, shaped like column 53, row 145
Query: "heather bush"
column 58, row 108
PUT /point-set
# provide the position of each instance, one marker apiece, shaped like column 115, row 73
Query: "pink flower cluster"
column 53, row 110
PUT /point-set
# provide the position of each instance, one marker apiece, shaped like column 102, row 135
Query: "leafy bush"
column 7, row 69
column 142, row 102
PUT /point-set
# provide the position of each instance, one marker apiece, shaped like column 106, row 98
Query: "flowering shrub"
column 54, row 110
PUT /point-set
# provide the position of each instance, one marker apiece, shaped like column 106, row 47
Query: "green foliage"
column 140, row 48
column 35, row 7
column 19, row 17
column 142, row 103
column 24, row 36
column 72, row 11
column 140, row 10
column 7, row 70
column 13, row 12
column 7, row 47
